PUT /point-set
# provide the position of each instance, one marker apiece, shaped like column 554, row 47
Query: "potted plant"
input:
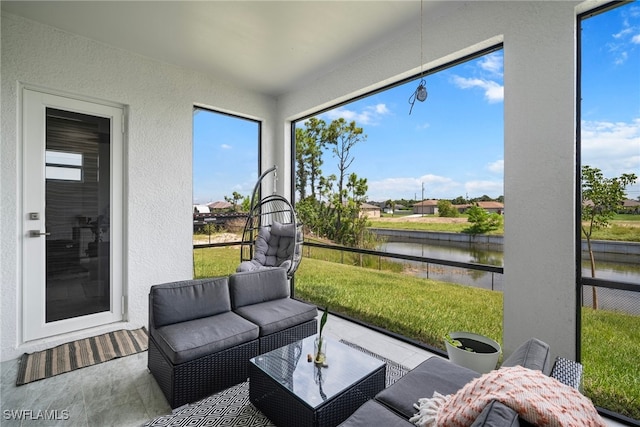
column 320, row 345
column 472, row 351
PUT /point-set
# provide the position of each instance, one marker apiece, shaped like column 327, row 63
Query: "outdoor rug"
column 80, row 354
column 231, row 407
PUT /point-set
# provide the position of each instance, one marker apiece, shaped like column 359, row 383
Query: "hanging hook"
column 420, row 94
column 275, row 178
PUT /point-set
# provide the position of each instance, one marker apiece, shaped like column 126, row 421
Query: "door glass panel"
column 77, row 214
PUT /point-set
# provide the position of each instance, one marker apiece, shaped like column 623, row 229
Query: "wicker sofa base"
column 288, row 336
column 196, row 379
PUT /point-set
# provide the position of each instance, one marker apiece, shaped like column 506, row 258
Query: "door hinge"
column 122, row 307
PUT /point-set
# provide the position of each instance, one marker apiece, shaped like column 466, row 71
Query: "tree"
column 246, row 204
column 330, row 206
column 309, row 144
column 601, row 198
column 482, row 220
column 391, row 205
column 302, row 172
column 342, row 137
column 234, row 199
column 459, row 201
column 446, row 209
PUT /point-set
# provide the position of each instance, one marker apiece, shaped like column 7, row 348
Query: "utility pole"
column 422, row 210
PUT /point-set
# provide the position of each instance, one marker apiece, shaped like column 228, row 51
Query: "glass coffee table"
column 291, row 391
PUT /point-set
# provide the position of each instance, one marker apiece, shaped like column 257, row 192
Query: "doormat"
column 80, row 354
column 232, row 408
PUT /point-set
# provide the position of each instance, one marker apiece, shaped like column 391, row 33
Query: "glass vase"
column 320, row 350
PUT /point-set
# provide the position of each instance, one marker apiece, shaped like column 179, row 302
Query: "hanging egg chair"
column 272, row 236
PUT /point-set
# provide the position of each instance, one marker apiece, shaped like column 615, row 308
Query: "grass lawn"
column 426, row 310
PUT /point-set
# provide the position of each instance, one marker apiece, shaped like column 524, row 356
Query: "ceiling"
column 268, row 46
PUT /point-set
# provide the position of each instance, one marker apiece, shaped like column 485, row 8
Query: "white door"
column 72, row 214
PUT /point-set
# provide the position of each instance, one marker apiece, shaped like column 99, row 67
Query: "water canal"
column 616, row 267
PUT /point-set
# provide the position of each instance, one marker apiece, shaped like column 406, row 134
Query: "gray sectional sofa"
column 393, row 407
column 203, row 332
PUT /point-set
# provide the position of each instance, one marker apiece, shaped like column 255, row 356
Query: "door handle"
column 38, row 233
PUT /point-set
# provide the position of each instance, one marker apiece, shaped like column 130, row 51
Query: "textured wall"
column 159, row 99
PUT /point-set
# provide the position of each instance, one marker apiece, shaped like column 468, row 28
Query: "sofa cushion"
column 277, row 315
column 253, row 287
column 372, row 413
column 496, row 414
column 434, row 374
column 188, row 300
column 186, row 341
column 532, row 354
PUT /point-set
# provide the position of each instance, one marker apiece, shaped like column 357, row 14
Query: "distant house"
column 631, row 206
column 201, row 209
column 366, row 210
column 627, row 206
column 369, row 211
column 426, row 207
column 491, row 207
column 219, row 205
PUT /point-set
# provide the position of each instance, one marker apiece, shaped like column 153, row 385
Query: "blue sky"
column 452, row 144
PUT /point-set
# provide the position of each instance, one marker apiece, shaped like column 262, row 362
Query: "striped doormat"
column 80, row 354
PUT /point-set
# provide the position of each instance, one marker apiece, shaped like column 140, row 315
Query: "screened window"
column 609, row 295
column 225, row 168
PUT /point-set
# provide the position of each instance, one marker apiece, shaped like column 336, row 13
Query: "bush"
column 446, row 209
column 482, row 221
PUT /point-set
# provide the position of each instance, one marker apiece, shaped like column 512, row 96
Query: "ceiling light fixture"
column 421, row 91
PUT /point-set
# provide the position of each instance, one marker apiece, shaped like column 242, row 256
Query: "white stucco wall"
column 158, row 182
column 539, row 64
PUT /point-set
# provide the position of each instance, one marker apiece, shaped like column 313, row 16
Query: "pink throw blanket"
column 537, row 398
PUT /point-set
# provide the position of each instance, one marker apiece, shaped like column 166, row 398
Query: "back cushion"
column 532, row 354
column 188, row 300
column 253, row 287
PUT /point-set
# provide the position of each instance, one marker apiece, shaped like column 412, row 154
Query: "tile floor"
column 122, row 393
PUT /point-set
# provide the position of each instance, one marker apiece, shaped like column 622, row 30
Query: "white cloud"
column 480, row 188
column 621, row 58
column 226, row 147
column 407, row 187
column 620, row 42
column 493, row 92
column 493, row 63
column 614, row 148
column 435, row 187
column 624, row 32
column 496, row 167
column 370, row 115
column 382, row 109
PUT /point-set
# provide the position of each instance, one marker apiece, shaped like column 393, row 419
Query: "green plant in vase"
column 321, row 345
